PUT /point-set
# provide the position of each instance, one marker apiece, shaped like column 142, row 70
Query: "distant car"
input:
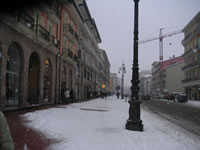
column 155, row 96
column 145, row 97
column 181, row 98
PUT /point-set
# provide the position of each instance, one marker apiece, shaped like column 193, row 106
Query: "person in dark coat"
column 72, row 96
column 118, row 95
column 6, row 142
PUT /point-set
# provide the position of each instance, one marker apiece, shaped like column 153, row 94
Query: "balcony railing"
column 190, row 65
column 190, row 79
column 26, row 19
column 68, row 28
column 56, row 10
column 54, row 41
column 70, row 54
column 191, row 35
column 43, row 32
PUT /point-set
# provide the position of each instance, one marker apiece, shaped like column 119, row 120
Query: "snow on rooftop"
column 83, row 126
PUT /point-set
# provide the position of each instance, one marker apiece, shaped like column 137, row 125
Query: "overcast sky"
column 115, row 19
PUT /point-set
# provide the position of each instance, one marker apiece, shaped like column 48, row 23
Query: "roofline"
column 173, row 65
column 196, row 17
column 77, row 9
column 93, row 21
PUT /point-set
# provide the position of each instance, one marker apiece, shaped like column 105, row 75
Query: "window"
column 13, row 75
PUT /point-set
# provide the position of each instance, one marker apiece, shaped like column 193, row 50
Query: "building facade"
column 113, row 82
column 191, row 43
column 47, row 49
column 155, row 86
column 174, row 77
column 159, row 74
column 145, row 85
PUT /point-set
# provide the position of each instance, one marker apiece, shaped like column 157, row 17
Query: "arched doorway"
column 47, row 81
column 33, row 79
column 13, row 75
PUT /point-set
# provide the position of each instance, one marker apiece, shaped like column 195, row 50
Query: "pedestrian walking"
column 67, row 96
column 105, row 95
column 72, row 96
column 118, row 95
column 6, row 142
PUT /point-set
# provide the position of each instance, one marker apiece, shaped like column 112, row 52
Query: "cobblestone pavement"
column 24, row 136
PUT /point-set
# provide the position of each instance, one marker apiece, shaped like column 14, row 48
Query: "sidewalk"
column 100, row 125
column 24, row 136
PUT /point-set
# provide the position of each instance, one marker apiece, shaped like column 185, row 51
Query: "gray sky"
column 115, row 19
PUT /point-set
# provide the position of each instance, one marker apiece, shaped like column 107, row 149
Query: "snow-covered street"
column 100, row 125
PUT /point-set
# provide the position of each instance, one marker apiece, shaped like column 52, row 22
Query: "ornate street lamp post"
column 134, row 122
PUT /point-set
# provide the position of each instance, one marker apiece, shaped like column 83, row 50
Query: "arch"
column 13, row 75
column 47, row 80
column 33, row 79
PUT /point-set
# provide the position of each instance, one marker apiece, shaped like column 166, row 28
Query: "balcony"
column 41, row 31
column 68, row 56
column 52, row 11
column 191, row 81
column 56, row 14
column 69, row 32
column 26, row 19
column 191, row 65
column 54, row 42
column 191, row 35
column 20, row 21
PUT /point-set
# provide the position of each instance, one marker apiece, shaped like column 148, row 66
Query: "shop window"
column 47, row 80
column 33, row 79
column 13, row 75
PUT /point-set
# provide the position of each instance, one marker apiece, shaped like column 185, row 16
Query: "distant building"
column 145, row 85
column 113, row 82
column 155, row 77
column 145, row 82
column 159, row 73
column 174, row 77
column 191, row 43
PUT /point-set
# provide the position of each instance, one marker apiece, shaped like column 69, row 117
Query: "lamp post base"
column 134, row 122
column 134, row 125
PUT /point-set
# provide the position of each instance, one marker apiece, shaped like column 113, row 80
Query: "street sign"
column 103, row 86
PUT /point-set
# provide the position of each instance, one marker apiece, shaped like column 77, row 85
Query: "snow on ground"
column 194, row 103
column 79, row 127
